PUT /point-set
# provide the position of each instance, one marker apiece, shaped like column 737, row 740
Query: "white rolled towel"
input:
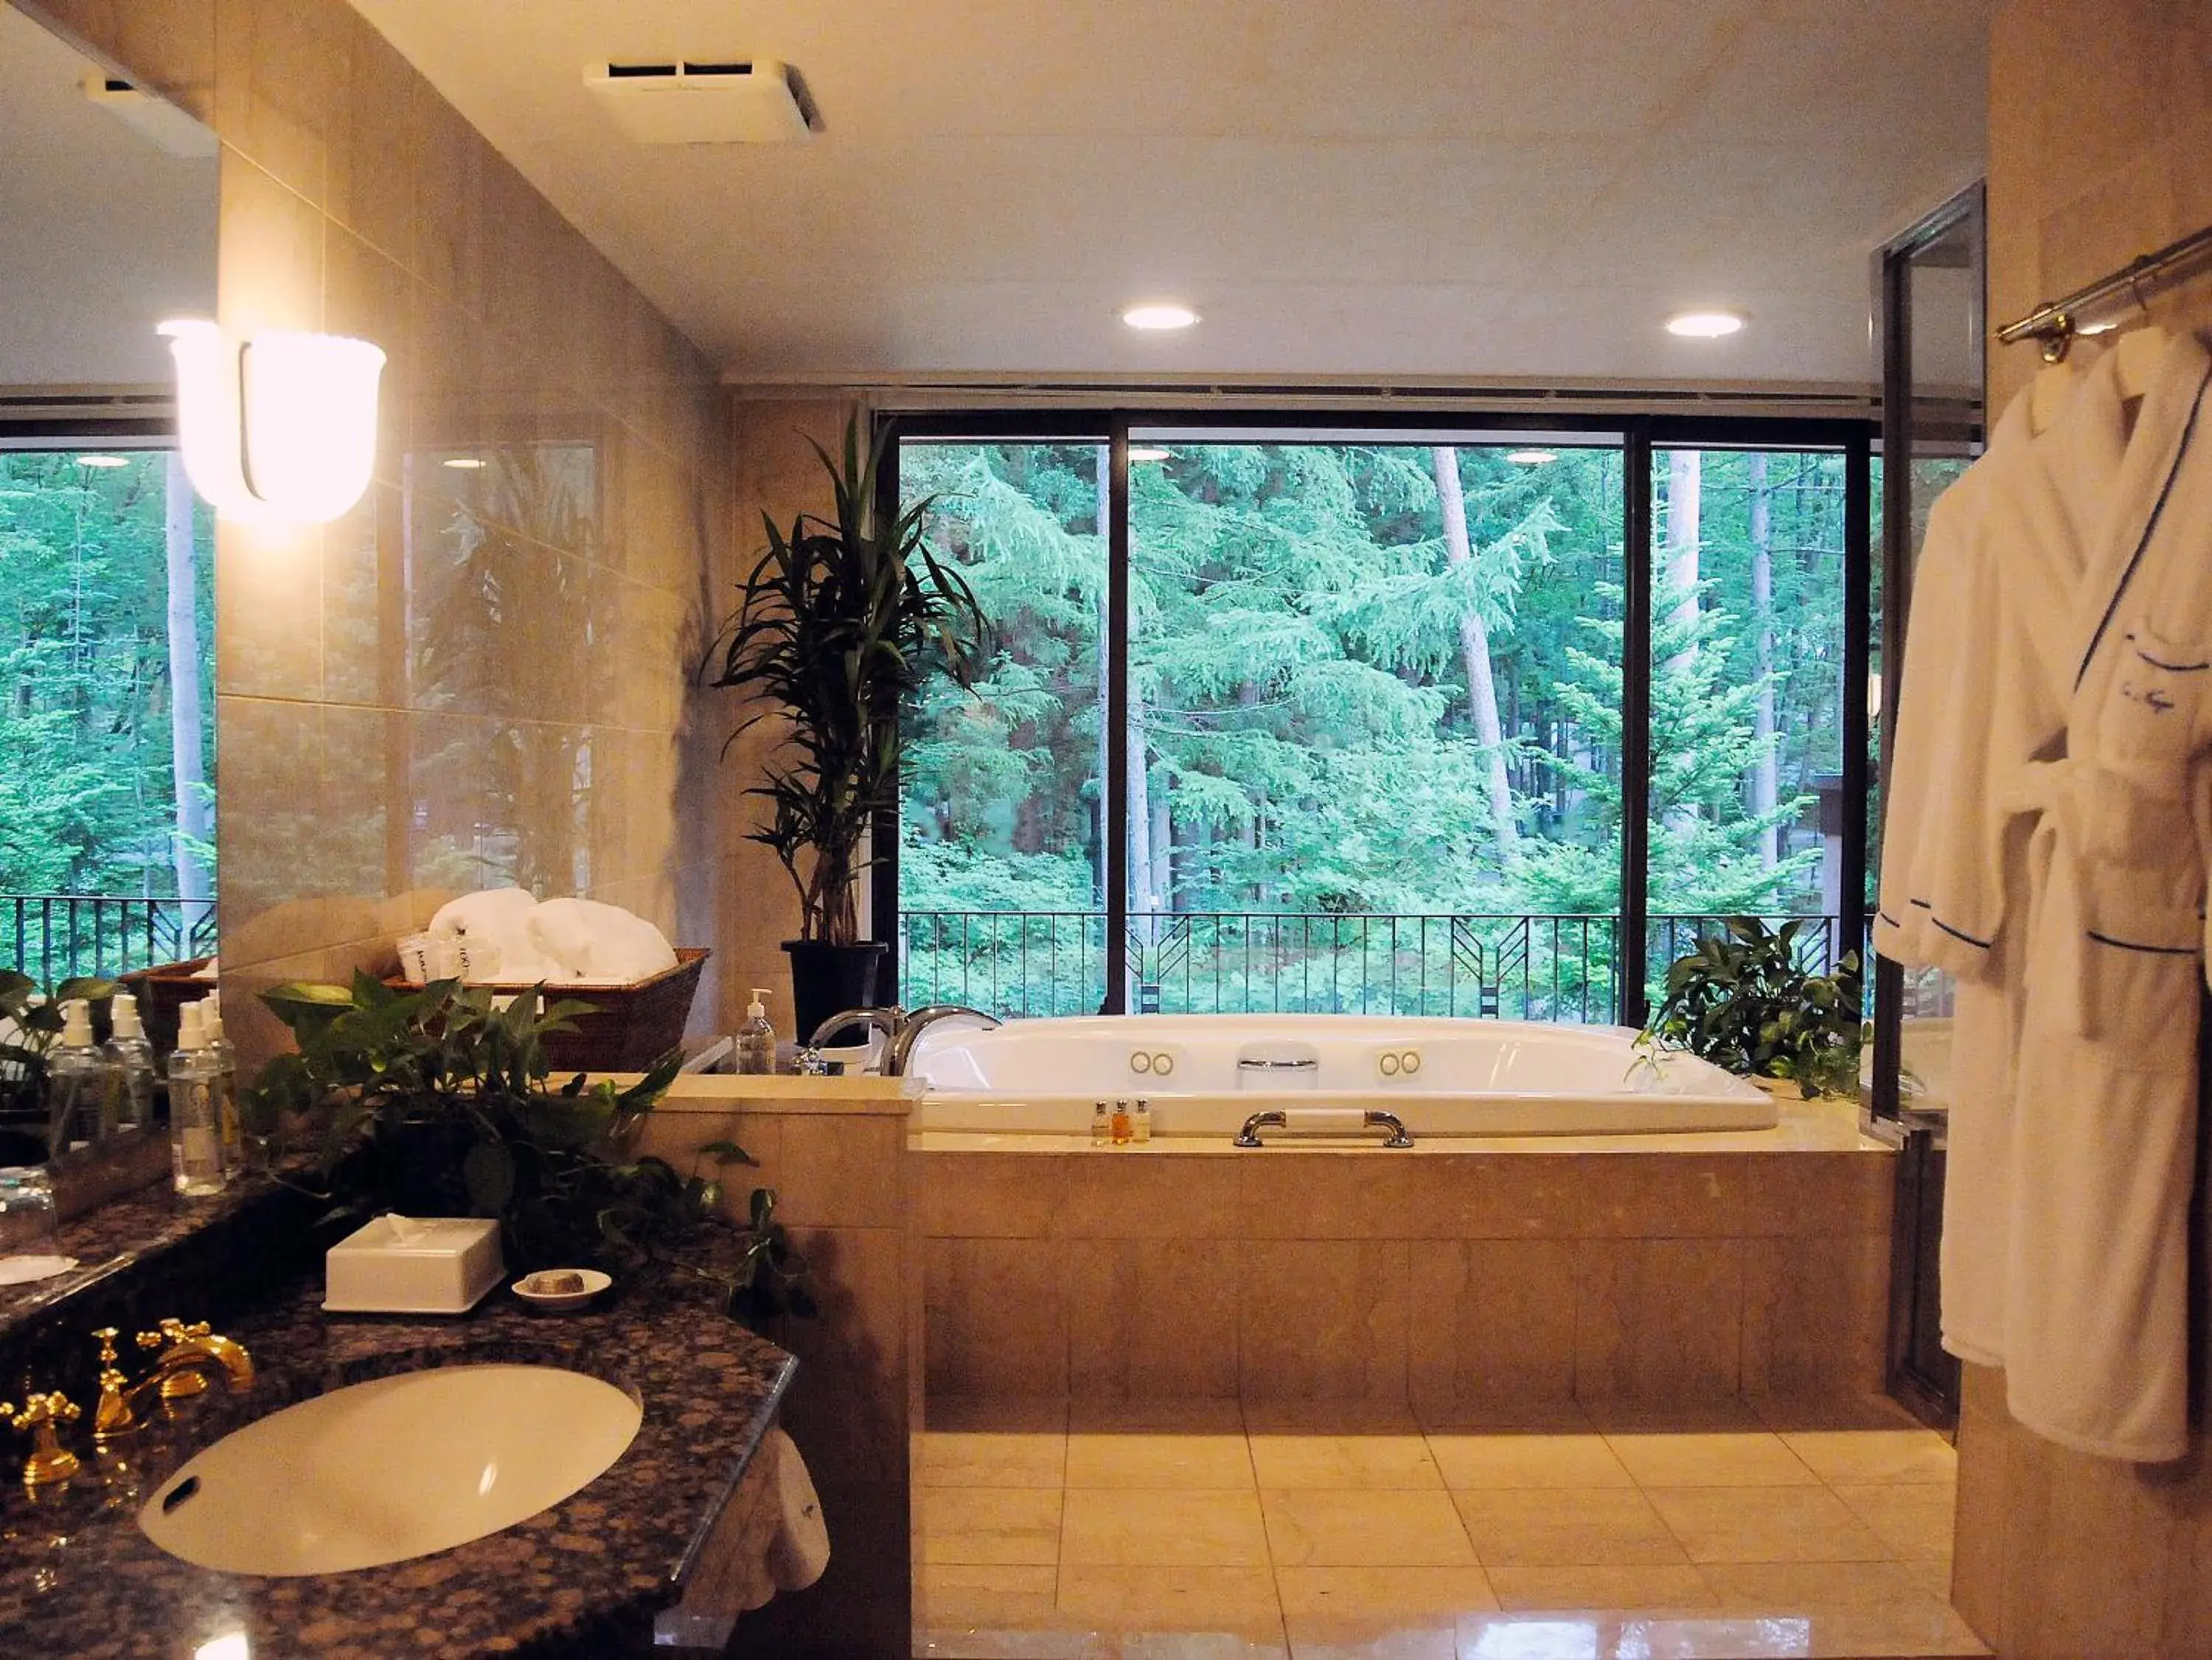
column 800, row 1552
column 598, row 944
column 492, row 922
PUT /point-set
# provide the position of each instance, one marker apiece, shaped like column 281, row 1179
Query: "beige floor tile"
column 1732, row 1458
column 1189, row 1646
column 1566, row 1527
column 1156, row 1417
column 1344, row 1461
column 1766, row 1524
column 1437, row 1593
column 990, row 1525
column 1689, row 1635
column 1337, row 1417
column 1372, row 1637
column 1623, row 1589
column 1316, row 1528
column 1152, row 1597
column 1527, row 1461
column 1132, row 1527
column 1932, row 1574
column 1914, row 1521
column 1004, row 1596
column 1919, row 1629
column 1787, row 1586
column 1017, row 1643
column 969, row 1459
column 1876, row 1455
column 994, row 1415
column 1181, row 1462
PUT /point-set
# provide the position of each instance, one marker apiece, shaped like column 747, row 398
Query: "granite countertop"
column 77, row 1577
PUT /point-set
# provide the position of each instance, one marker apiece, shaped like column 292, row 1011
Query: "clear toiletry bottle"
column 225, row 1067
column 1101, row 1124
column 1120, row 1123
column 130, row 1049
column 195, row 1112
column 757, row 1037
column 84, row 1086
column 1140, row 1121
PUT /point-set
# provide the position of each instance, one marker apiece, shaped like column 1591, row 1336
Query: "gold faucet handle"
column 49, row 1461
column 172, row 1332
column 106, row 1336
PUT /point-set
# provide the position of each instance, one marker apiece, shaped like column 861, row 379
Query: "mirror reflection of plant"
column 30, row 1026
column 438, row 1102
column 1744, row 1001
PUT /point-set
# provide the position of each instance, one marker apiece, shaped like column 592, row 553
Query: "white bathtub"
column 1204, row 1074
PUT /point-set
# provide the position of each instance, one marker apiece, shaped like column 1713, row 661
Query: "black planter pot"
column 825, row 979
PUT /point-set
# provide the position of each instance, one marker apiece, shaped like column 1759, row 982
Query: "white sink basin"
column 391, row 1468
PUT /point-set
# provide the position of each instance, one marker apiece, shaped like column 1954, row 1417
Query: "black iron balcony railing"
column 58, row 936
column 1520, row 966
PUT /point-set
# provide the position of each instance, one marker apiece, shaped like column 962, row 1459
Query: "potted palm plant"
column 837, row 625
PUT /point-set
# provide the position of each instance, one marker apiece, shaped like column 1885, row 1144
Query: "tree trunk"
column 1764, row 781
column 1474, row 649
column 186, row 718
column 1685, row 481
column 1163, row 882
column 1140, row 809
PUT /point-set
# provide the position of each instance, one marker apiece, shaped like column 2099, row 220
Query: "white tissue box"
column 413, row 1265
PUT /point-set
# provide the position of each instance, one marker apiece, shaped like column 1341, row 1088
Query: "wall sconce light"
column 280, row 425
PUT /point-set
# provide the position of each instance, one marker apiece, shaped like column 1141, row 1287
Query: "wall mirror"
column 107, row 763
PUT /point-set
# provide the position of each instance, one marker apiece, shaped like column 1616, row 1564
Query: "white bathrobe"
column 2050, row 824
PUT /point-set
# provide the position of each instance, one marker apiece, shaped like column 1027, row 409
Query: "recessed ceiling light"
column 1149, row 453
column 1531, row 458
column 463, row 464
column 1705, row 326
column 1155, row 315
column 102, row 461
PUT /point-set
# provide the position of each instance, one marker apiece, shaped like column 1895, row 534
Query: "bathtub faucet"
column 901, row 1029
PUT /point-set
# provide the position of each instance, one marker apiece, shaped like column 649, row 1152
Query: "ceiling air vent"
column 718, row 102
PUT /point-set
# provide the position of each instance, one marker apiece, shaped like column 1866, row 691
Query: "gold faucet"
column 50, row 1461
column 193, row 1355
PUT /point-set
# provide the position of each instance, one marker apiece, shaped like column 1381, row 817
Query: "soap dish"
column 554, row 1289
column 413, row 1265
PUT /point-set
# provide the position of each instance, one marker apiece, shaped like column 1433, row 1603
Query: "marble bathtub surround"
column 1091, row 1529
column 1455, row 1273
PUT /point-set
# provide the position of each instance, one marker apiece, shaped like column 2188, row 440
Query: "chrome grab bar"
column 1307, row 1063
column 1331, row 1118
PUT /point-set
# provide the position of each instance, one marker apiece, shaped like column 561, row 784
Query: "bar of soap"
column 557, row 1285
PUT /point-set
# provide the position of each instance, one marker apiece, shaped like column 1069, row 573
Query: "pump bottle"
column 195, row 1112
column 757, row 1037
column 84, row 1086
column 130, row 1050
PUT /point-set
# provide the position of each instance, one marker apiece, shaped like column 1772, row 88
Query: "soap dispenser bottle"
column 84, row 1086
column 757, row 1037
column 130, row 1050
column 195, row 1112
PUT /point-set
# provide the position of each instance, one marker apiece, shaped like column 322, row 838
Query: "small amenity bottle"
column 1120, row 1123
column 757, row 1037
column 195, row 1112
column 131, row 1051
column 1101, row 1124
column 1140, row 1121
column 226, row 1066
column 84, row 1086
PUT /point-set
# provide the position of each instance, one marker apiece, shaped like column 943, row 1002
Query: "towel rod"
column 2055, row 321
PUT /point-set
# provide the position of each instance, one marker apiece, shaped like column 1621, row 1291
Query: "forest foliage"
column 1301, row 666
column 87, row 795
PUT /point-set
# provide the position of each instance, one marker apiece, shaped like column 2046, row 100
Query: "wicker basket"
column 162, row 991
column 630, row 1027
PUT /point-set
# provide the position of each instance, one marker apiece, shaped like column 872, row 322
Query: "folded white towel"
column 598, row 944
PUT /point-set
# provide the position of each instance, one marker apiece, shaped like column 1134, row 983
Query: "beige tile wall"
column 843, row 1177
column 2100, row 149
column 1444, row 1277
column 475, row 676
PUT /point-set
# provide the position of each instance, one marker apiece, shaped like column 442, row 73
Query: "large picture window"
column 1307, row 720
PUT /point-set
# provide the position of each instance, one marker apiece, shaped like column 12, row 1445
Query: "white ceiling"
column 101, row 234
column 1372, row 188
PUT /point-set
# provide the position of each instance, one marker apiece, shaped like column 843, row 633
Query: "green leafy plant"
column 838, row 625
column 437, row 1101
column 30, row 1026
column 1743, row 1001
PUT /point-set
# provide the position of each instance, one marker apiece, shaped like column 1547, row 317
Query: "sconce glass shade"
column 281, row 425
